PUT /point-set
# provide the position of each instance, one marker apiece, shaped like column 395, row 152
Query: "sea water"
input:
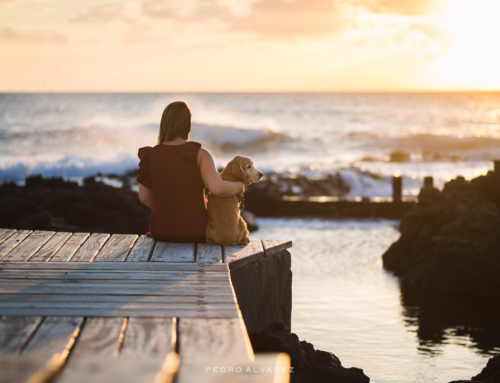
column 440, row 134
column 343, row 300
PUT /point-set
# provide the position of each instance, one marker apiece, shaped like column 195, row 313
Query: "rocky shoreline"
column 59, row 205
column 450, row 242
column 309, row 365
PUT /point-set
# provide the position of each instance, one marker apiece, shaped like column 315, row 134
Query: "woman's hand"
column 212, row 179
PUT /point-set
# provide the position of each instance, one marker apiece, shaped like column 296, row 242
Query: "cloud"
column 31, row 35
column 267, row 17
column 402, row 7
column 102, row 13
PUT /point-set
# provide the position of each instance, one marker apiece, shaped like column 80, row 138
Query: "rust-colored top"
column 172, row 173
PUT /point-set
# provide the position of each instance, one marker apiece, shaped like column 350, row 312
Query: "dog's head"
column 241, row 169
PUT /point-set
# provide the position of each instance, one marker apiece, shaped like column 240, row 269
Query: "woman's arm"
column 145, row 196
column 212, row 179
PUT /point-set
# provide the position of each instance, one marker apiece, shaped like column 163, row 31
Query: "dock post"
column 397, row 188
column 428, row 181
column 496, row 164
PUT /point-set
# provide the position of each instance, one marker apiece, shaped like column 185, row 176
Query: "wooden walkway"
column 100, row 308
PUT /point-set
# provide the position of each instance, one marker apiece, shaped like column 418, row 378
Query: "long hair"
column 175, row 122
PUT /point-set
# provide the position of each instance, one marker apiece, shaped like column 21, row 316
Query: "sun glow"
column 473, row 62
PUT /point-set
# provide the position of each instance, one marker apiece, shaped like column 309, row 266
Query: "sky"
column 249, row 45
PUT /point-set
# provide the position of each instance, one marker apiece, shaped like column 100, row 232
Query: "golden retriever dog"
column 225, row 226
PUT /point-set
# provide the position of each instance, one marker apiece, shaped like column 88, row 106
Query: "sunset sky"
column 249, row 45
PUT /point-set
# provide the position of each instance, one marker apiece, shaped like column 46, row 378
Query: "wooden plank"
column 107, row 289
column 90, row 248
column 116, row 248
column 216, row 338
column 65, row 253
column 194, row 298
column 42, row 275
column 53, row 335
column 173, row 252
column 132, row 304
column 106, row 369
column 142, row 249
column 266, row 368
column 105, row 266
column 146, row 337
column 29, row 246
column 237, row 256
column 6, row 233
column 272, row 246
column 15, row 331
column 200, row 312
column 26, row 368
column 208, row 253
column 12, row 241
column 50, row 248
column 98, row 337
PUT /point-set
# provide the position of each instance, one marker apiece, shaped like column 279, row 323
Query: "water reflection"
column 446, row 319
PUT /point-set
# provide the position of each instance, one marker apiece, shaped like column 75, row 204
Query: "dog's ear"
column 239, row 173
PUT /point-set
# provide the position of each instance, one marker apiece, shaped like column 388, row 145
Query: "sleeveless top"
column 179, row 208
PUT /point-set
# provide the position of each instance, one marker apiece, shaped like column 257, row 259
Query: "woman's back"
column 172, row 173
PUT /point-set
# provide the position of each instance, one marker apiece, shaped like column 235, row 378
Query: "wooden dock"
column 76, row 307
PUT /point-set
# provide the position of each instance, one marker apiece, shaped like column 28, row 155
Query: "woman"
column 172, row 179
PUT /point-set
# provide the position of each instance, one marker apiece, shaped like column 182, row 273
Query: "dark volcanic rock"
column 55, row 204
column 490, row 374
column 58, row 205
column 309, row 365
column 451, row 241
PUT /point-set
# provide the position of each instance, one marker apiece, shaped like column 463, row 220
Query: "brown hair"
column 175, row 122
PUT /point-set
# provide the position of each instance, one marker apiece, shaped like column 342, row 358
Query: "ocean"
column 438, row 134
column 343, row 300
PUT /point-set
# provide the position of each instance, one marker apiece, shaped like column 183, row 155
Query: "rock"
column 55, row 204
column 490, row 374
column 451, row 241
column 309, row 365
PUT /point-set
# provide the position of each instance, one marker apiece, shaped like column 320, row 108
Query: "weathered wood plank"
column 237, row 256
column 217, row 338
column 49, row 249
column 29, row 246
column 53, row 336
column 99, row 336
column 173, row 252
column 106, row 369
column 121, row 313
column 208, row 253
column 132, row 305
column 116, row 248
column 194, row 298
column 142, row 249
column 6, row 233
column 146, row 337
column 15, row 331
column 266, row 368
column 90, row 248
column 15, row 368
column 41, row 275
column 69, row 248
column 272, row 246
column 12, row 241
column 105, row 266
column 103, row 289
